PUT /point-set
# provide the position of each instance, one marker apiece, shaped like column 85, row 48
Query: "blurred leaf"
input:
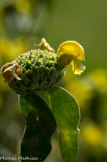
column 40, row 127
column 66, row 112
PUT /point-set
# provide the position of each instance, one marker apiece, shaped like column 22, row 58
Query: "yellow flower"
column 71, row 52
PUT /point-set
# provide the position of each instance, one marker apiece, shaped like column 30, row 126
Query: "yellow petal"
column 65, row 59
column 71, row 48
column 77, row 67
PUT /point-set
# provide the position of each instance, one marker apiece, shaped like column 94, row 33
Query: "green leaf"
column 39, row 129
column 66, row 112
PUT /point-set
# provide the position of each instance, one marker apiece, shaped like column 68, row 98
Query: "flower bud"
column 35, row 70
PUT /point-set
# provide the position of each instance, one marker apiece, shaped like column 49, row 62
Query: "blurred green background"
column 25, row 22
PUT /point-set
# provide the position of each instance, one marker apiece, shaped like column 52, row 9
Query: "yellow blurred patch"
column 92, row 135
column 23, row 5
column 9, row 50
column 99, row 79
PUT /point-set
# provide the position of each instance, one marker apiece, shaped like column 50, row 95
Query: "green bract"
column 40, row 71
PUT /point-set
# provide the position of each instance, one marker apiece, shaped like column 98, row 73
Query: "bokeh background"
column 25, row 22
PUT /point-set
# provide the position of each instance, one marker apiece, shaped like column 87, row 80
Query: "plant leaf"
column 39, row 129
column 66, row 112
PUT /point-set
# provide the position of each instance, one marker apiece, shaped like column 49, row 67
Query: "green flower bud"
column 36, row 70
